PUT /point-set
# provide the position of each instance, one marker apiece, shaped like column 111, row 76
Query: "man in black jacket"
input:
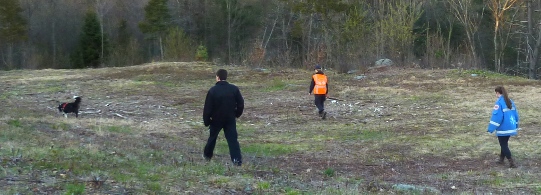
column 223, row 104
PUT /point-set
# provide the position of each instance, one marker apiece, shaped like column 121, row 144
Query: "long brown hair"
column 501, row 90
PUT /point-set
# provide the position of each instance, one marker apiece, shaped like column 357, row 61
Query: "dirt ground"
column 420, row 128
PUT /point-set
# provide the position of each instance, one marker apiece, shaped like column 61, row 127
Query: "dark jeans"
column 504, row 146
column 230, row 131
column 319, row 102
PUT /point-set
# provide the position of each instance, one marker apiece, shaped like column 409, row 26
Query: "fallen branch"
column 90, row 112
column 116, row 114
column 333, row 98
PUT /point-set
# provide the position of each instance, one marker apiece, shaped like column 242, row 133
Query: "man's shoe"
column 206, row 158
column 324, row 115
column 237, row 162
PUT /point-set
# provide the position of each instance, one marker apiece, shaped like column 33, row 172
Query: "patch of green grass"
column 81, row 161
column 15, row 131
column 414, row 98
column 291, row 191
column 75, row 189
column 263, row 185
column 268, row 149
column 214, row 168
column 246, row 131
column 15, row 123
column 169, row 84
column 61, row 126
column 493, row 181
column 276, row 85
column 432, row 144
column 120, row 176
column 144, row 78
column 365, row 135
column 119, row 129
column 329, row 172
column 480, row 73
column 220, row 180
column 8, row 95
column 51, row 89
column 154, row 187
column 445, row 176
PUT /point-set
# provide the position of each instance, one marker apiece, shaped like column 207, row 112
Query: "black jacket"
column 223, row 102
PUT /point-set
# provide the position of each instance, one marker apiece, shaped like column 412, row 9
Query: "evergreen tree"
column 125, row 50
column 88, row 53
column 157, row 22
column 13, row 27
column 179, row 46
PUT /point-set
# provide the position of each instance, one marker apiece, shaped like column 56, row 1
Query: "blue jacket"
column 504, row 120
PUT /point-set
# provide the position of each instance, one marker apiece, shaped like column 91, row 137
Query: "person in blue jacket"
column 504, row 121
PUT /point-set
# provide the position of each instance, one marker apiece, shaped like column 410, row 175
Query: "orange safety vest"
column 321, row 84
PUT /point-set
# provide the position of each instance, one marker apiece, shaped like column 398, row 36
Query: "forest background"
column 498, row 35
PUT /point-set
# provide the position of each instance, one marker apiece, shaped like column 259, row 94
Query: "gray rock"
column 352, row 71
column 360, row 77
column 384, row 62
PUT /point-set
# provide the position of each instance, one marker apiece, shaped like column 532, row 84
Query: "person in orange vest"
column 319, row 87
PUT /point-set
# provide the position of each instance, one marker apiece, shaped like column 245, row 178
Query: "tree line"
column 498, row 35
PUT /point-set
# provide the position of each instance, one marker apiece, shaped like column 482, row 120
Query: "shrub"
column 201, row 54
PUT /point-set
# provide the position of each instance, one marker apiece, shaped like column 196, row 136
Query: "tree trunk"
column 161, row 49
column 532, row 51
column 4, row 63
column 535, row 56
column 228, row 32
column 54, row 43
column 448, row 45
column 496, row 53
column 102, row 41
column 10, row 64
column 101, row 12
column 461, row 10
column 308, row 42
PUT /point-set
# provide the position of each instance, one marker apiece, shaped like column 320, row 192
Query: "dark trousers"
column 230, row 131
column 504, row 146
column 319, row 102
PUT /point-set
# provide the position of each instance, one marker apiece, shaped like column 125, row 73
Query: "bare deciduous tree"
column 462, row 10
column 533, row 43
column 499, row 8
column 395, row 24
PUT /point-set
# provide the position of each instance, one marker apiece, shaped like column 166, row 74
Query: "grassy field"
column 140, row 131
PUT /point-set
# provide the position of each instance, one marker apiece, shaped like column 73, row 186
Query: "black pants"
column 230, row 131
column 319, row 102
column 504, row 146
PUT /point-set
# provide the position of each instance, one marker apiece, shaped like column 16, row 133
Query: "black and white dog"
column 73, row 107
